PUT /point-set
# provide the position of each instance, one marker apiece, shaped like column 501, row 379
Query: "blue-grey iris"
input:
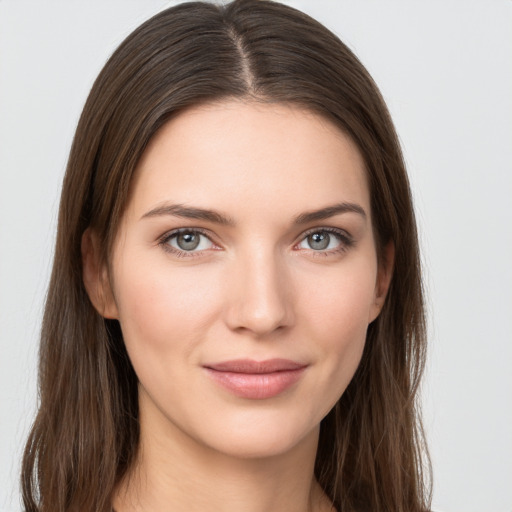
column 188, row 241
column 319, row 241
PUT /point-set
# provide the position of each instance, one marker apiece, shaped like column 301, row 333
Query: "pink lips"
column 256, row 379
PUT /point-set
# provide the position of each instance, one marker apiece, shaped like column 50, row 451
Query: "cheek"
column 341, row 300
column 163, row 311
column 337, row 318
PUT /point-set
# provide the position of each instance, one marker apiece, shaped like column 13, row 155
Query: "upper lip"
column 255, row 367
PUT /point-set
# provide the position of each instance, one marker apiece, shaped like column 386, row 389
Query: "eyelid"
column 346, row 239
column 164, row 239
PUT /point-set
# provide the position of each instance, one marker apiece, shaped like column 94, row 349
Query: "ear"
column 95, row 276
column 384, row 275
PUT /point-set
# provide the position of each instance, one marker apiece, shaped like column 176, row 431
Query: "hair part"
column 84, row 440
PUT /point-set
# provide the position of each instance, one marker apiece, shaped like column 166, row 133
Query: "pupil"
column 188, row 241
column 319, row 241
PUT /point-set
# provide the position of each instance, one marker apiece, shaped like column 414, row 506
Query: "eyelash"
column 345, row 239
column 165, row 239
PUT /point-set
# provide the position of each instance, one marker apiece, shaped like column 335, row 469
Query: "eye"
column 187, row 241
column 325, row 240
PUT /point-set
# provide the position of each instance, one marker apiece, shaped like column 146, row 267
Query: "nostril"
column 260, row 300
column 259, row 316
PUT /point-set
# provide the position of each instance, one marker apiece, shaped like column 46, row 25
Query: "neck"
column 174, row 472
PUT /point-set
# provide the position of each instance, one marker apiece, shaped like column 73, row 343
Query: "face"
column 244, row 275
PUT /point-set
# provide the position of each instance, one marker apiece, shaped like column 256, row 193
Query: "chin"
column 263, row 436
column 263, row 445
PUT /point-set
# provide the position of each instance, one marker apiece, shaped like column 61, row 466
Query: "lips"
column 256, row 380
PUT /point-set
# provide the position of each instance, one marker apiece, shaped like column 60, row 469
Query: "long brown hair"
column 371, row 454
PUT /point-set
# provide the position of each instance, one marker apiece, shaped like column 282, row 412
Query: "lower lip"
column 256, row 386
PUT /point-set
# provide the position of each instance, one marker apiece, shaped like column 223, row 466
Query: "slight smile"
column 256, row 380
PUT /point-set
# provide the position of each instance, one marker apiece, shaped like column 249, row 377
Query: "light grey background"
column 445, row 69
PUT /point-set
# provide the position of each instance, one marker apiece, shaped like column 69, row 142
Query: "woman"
column 235, row 315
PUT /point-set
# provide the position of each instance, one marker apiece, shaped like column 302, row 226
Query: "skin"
column 253, row 289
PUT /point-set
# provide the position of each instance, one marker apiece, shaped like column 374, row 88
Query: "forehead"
column 250, row 156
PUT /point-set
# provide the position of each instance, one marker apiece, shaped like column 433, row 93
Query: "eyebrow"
column 329, row 211
column 187, row 212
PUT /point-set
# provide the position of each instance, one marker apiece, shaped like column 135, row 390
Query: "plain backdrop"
column 445, row 69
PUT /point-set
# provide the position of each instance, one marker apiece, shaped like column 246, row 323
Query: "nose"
column 260, row 296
